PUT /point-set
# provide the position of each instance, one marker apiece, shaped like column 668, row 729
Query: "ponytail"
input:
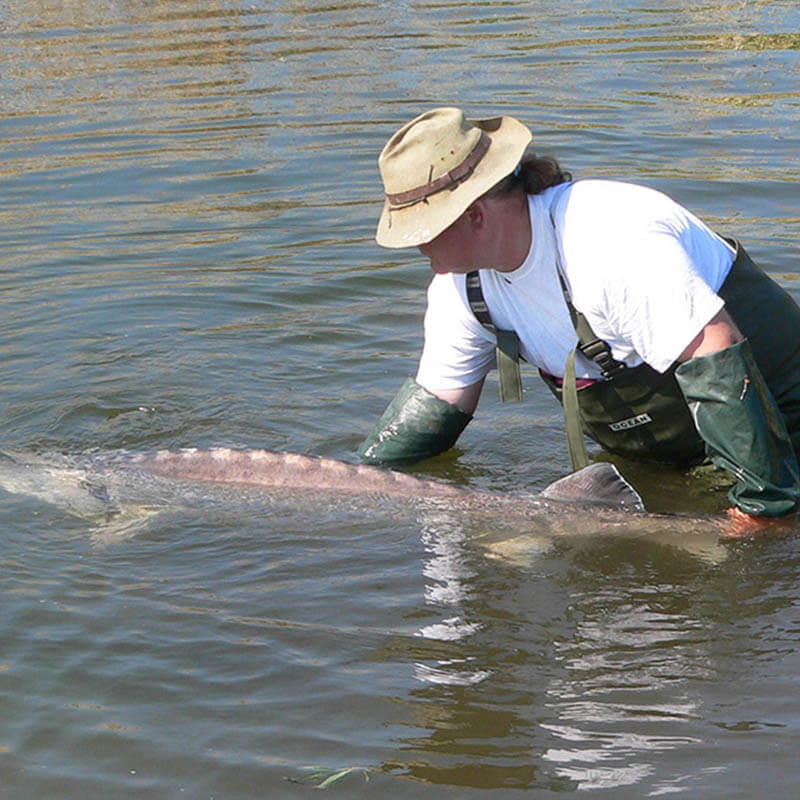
column 534, row 174
column 540, row 173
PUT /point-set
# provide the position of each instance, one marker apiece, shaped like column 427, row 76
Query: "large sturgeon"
column 79, row 483
column 121, row 488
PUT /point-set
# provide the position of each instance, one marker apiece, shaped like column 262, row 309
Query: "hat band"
column 449, row 179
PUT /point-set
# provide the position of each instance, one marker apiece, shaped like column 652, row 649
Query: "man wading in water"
column 663, row 340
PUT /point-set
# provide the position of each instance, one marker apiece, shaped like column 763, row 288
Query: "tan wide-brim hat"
column 434, row 167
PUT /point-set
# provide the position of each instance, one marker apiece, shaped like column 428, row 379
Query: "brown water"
column 188, row 193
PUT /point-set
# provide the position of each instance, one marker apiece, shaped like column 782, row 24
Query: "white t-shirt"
column 642, row 269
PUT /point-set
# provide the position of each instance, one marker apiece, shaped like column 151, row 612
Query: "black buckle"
column 598, row 351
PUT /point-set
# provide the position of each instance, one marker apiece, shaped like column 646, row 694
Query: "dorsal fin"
column 599, row 483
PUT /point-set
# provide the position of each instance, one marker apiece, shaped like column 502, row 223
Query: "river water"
column 188, row 193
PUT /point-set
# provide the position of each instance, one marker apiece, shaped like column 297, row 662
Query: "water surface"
column 189, row 193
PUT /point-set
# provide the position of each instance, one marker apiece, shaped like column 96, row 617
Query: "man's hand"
column 743, row 524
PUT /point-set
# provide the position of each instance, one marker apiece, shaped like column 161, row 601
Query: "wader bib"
column 642, row 414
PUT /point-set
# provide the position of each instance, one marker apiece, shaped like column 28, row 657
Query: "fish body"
column 84, row 484
column 122, row 489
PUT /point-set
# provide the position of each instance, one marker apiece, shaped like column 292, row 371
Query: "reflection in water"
column 585, row 684
column 449, row 589
column 617, row 700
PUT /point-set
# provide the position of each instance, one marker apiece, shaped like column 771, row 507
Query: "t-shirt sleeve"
column 458, row 350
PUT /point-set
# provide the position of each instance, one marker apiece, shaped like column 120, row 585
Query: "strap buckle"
column 598, row 351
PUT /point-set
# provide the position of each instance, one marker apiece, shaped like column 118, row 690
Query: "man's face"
column 456, row 248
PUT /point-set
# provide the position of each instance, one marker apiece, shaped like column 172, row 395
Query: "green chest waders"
column 636, row 412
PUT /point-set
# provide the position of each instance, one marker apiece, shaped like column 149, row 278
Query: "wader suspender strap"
column 594, row 349
column 507, row 351
column 572, row 418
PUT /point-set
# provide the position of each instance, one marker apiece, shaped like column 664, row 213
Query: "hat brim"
column 418, row 224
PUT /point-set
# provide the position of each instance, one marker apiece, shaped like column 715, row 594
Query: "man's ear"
column 476, row 214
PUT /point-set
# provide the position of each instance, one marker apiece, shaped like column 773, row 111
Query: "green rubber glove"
column 742, row 428
column 415, row 425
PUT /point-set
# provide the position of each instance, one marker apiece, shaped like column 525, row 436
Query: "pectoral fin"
column 599, row 483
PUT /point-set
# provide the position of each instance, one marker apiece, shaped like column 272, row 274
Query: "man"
column 663, row 340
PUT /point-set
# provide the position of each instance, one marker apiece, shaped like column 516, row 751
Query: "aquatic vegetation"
column 328, row 776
